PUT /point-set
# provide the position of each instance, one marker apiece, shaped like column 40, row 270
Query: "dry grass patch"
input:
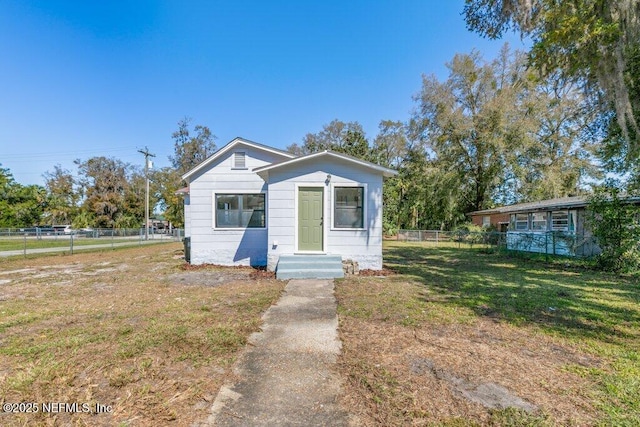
column 460, row 339
column 127, row 328
column 419, row 371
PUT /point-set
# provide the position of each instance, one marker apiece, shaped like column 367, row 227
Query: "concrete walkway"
column 286, row 375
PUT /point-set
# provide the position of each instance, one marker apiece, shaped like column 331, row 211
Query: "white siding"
column 222, row 246
column 363, row 246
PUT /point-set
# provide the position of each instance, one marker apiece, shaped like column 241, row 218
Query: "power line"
column 21, row 157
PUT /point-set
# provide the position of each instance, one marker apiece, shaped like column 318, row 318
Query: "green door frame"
column 310, row 219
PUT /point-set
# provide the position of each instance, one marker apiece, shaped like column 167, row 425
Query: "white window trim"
column 233, row 161
column 314, row 184
column 365, row 205
column 227, row 192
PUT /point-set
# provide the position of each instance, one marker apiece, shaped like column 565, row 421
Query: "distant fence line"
column 16, row 241
column 548, row 243
column 47, row 232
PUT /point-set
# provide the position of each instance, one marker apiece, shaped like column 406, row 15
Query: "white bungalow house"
column 250, row 204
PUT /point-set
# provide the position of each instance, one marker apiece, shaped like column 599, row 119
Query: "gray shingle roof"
column 559, row 203
column 546, row 205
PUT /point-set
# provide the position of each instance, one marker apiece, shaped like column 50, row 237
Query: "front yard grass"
column 418, row 344
column 129, row 329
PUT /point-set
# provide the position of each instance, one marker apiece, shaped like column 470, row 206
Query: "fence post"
column 25, row 245
column 71, row 244
column 546, row 246
column 112, row 237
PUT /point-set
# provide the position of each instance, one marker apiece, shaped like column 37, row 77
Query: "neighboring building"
column 250, row 204
column 556, row 226
column 491, row 218
column 159, row 224
column 562, row 214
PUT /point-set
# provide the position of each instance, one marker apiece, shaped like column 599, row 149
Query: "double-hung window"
column 240, row 210
column 539, row 221
column 521, row 222
column 348, row 207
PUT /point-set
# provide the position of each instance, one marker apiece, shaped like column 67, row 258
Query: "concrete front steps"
column 309, row 267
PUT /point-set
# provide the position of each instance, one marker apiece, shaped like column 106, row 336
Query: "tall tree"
column 105, row 182
column 432, row 197
column 559, row 156
column 63, row 198
column 594, row 42
column 507, row 136
column 389, row 149
column 132, row 210
column 191, row 148
column 390, row 145
column 348, row 138
column 20, row 205
column 470, row 122
column 168, row 183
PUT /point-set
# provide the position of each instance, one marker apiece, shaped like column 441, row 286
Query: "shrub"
column 472, row 234
column 614, row 222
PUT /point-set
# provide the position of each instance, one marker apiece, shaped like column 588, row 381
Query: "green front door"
column 310, row 218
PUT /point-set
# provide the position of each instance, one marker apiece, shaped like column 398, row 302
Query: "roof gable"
column 229, row 147
column 263, row 170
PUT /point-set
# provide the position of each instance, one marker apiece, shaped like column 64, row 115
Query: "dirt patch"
column 216, row 275
column 206, row 277
column 489, row 395
column 377, row 273
column 262, row 273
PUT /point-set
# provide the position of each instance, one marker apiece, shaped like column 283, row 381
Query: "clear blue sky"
column 85, row 78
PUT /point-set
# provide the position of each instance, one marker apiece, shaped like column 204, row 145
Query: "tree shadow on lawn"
column 584, row 304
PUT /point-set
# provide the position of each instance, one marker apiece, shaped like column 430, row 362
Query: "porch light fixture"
column 328, row 180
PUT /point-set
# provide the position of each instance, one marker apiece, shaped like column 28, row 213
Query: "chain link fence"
column 547, row 243
column 16, row 241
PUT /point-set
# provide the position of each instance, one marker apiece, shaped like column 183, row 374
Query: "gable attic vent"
column 239, row 160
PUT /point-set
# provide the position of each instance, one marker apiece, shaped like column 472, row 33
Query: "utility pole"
column 146, row 154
